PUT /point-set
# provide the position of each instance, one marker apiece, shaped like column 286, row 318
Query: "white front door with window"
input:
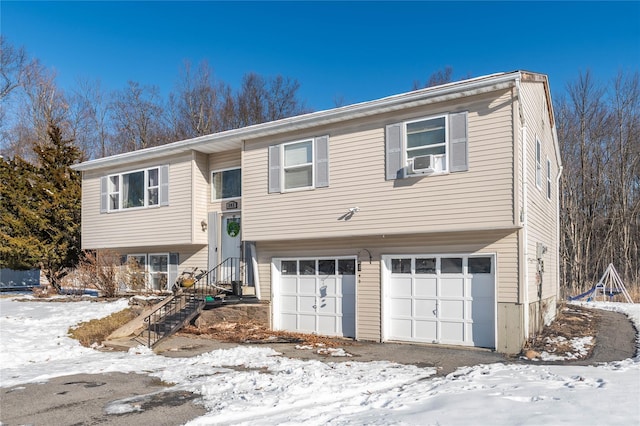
column 231, row 243
column 315, row 295
column 447, row 299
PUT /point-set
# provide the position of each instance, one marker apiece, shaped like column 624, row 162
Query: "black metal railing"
column 171, row 316
column 190, row 295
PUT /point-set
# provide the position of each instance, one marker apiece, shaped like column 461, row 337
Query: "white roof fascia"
column 230, row 139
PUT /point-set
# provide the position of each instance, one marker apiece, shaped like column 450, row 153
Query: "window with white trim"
column 427, row 137
column 548, row 179
column 429, row 145
column 226, row 184
column 135, row 189
column 538, row 164
column 299, row 165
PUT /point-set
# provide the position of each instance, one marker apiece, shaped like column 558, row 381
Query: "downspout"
column 523, row 215
column 560, row 169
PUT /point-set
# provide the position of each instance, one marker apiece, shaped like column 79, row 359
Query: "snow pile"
column 249, row 385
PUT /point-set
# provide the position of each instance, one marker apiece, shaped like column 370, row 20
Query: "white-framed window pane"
column 231, row 183
column 133, row 190
column 114, row 203
column 159, row 270
column 153, row 196
column 427, row 132
column 114, row 183
column 298, row 153
column 227, row 184
column 153, row 178
column 401, row 266
column 299, row 177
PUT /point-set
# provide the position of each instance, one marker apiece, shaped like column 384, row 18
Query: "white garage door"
column 315, row 295
column 440, row 299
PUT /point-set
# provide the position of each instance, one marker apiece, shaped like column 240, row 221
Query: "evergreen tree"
column 40, row 209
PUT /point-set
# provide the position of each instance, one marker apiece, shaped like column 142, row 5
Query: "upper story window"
column 427, row 145
column 226, row 184
column 538, row 164
column 136, row 189
column 427, row 138
column 299, row 165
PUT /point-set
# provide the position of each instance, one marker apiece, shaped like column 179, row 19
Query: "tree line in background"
column 598, row 130
column 134, row 117
column 599, row 135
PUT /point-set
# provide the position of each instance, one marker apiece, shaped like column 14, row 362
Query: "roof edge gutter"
column 392, row 103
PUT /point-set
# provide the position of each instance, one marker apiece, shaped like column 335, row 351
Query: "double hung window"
column 299, row 165
column 428, row 137
column 428, row 145
column 226, row 184
column 136, row 189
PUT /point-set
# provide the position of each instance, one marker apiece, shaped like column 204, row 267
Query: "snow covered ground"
column 273, row 390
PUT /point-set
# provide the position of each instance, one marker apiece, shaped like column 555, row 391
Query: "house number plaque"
column 231, row 205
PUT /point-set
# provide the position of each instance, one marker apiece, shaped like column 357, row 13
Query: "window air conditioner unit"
column 422, row 164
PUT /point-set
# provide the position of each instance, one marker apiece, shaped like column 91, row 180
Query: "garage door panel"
column 328, row 323
column 307, row 285
column 307, row 323
column 310, row 296
column 289, row 303
column 401, row 307
column 401, row 329
column 452, row 332
column 452, row 309
column 289, row 321
column 328, row 305
column 306, row 304
column 452, row 287
column 426, row 330
column 289, row 285
column 453, row 299
column 402, row 286
column 425, row 308
column 328, row 287
column 426, row 287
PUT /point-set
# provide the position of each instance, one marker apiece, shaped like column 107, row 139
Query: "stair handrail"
column 167, row 309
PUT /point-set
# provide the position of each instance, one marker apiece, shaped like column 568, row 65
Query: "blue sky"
column 353, row 51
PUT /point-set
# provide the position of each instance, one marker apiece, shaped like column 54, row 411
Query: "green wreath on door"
column 233, row 228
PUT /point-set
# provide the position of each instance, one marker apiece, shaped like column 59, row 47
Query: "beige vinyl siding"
column 542, row 211
column 368, row 296
column 478, row 199
column 157, row 226
column 224, row 160
column 201, row 196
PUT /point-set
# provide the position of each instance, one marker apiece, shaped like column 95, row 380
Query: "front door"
column 231, row 243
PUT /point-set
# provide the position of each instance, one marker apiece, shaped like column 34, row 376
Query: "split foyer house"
column 429, row 216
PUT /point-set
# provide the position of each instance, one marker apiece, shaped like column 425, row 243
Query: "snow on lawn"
column 249, row 385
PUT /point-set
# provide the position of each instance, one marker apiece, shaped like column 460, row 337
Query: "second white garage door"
column 315, row 295
column 440, row 299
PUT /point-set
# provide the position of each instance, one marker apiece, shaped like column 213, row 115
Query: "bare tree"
column 196, row 105
column 437, row 78
column 599, row 134
column 91, row 111
column 138, row 118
